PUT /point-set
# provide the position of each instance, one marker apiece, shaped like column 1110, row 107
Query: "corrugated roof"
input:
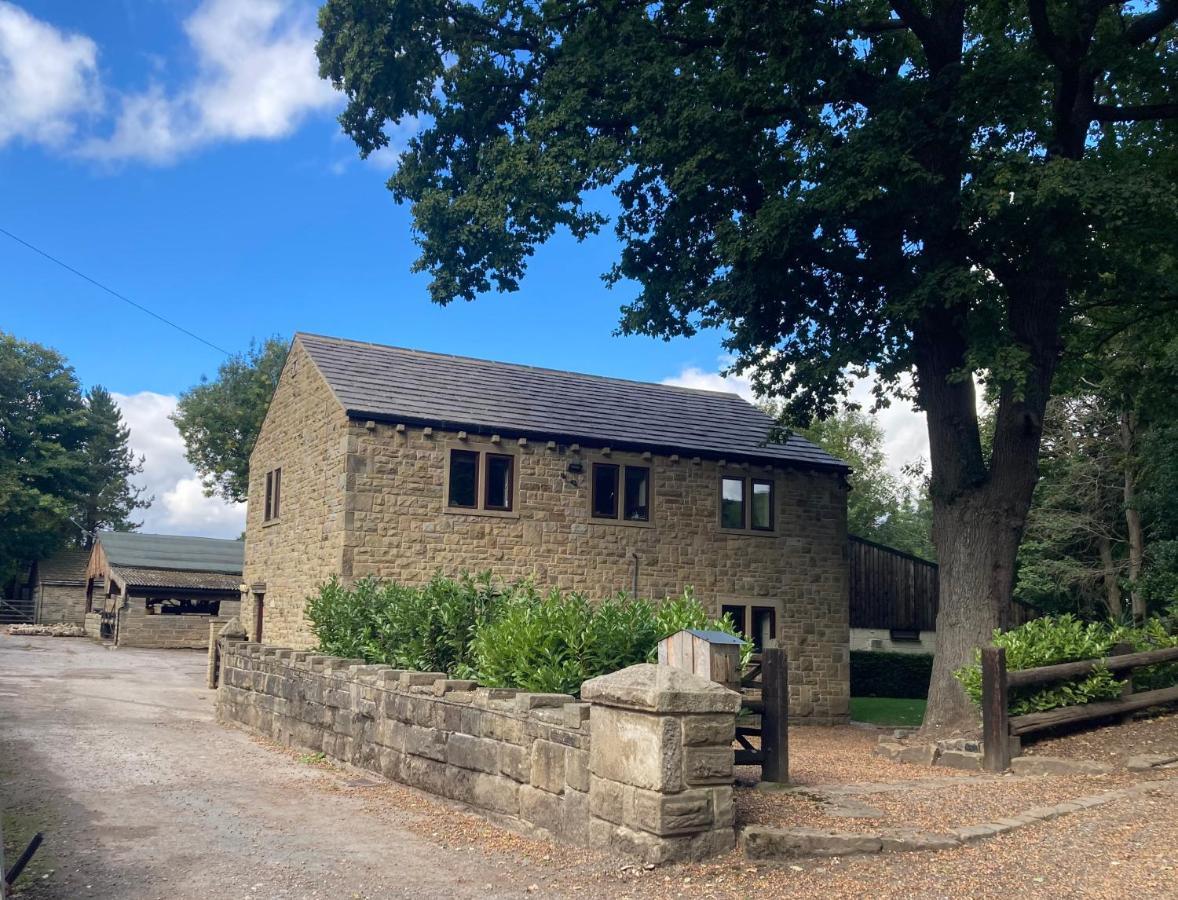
column 176, row 578
column 457, row 392
column 64, row 567
column 130, row 549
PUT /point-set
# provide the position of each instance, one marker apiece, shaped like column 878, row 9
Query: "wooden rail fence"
column 998, row 726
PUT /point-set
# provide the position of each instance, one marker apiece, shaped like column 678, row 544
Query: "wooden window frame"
column 620, row 465
column 277, row 504
column 478, row 465
column 483, row 451
column 748, row 482
column 510, row 492
column 776, row 610
column 267, row 507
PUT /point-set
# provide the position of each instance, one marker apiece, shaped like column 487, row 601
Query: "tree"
column 43, row 432
column 943, row 189
column 881, row 506
column 220, row 419
column 109, row 498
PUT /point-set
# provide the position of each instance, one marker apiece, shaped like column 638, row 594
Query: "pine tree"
column 110, row 464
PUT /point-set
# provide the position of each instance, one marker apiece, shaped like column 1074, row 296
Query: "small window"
column 464, row 479
column 905, row 635
column 762, row 506
column 732, row 503
column 499, row 477
column 605, row 491
column 637, row 495
column 736, row 613
column 273, row 495
column 764, row 627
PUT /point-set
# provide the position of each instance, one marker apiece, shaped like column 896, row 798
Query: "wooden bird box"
column 710, row 654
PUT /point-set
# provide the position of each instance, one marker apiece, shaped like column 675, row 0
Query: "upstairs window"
column 273, row 504
column 732, row 503
column 621, row 491
column 746, row 503
column 471, row 470
column 464, row 479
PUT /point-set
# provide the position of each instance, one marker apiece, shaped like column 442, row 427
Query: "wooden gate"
column 765, row 687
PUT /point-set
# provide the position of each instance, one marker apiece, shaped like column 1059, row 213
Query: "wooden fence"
column 892, row 589
column 998, row 726
column 766, row 690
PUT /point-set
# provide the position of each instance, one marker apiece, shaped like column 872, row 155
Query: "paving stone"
column 902, row 841
column 760, row 842
column 1051, row 765
column 960, row 759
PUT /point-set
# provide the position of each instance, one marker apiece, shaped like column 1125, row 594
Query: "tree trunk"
column 1133, row 515
column 1112, row 587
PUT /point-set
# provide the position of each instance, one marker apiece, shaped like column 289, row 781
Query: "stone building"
column 57, row 588
column 397, row 463
column 161, row 590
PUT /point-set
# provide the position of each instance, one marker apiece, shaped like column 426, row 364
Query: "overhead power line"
column 113, row 292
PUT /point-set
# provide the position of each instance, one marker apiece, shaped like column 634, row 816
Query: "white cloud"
column 48, row 79
column 257, row 78
column 180, row 507
column 904, row 429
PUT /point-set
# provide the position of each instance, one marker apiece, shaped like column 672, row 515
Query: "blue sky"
column 185, row 153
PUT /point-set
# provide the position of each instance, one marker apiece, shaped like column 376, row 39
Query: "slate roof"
column 132, row 550
column 64, row 567
column 175, row 578
column 460, row 393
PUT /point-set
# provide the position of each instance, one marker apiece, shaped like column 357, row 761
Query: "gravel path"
column 116, row 757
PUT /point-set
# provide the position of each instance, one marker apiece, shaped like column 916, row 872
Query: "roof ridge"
column 531, row 368
column 186, row 537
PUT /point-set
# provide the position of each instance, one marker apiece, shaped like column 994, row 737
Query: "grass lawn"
column 887, row 711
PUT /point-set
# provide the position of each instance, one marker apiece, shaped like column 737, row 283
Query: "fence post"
column 995, row 716
column 1120, row 649
column 775, row 717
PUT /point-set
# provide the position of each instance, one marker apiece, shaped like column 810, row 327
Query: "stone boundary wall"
column 93, row 625
column 645, row 768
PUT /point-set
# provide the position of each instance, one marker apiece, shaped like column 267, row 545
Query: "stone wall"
column 93, row 625
column 59, row 603
column 304, row 433
column 136, row 628
column 644, row 768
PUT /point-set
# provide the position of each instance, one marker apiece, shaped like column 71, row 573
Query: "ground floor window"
column 182, row 606
column 757, row 622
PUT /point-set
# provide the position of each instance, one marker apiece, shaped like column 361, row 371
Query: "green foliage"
column 881, row 507
column 904, row 675
column 554, row 642
column 220, row 419
column 511, row 636
column 44, row 430
column 109, row 497
column 429, row 629
column 1051, row 640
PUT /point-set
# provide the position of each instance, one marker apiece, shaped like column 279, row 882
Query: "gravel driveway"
column 115, row 756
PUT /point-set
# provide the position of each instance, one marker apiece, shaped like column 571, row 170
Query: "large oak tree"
column 936, row 187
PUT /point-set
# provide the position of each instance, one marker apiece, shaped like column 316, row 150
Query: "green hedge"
column 503, row 635
column 1060, row 639
column 904, row 675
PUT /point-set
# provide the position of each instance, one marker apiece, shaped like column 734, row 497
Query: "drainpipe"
column 634, row 588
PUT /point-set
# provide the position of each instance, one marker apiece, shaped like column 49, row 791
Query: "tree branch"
column 1145, row 26
column 912, row 17
column 1142, row 113
column 1044, row 34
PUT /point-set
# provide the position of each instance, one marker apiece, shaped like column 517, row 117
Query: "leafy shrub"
column 552, row 643
column 504, row 636
column 877, row 674
column 1060, row 639
column 429, row 629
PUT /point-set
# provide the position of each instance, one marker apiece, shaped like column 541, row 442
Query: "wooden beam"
column 775, row 720
column 1024, row 677
column 995, row 719
column 1068, row 714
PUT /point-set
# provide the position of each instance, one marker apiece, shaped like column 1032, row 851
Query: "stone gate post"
column 660, row 763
